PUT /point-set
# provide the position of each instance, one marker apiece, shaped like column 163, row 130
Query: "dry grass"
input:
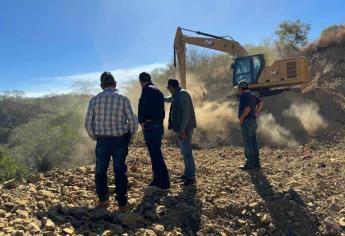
column 335, row 37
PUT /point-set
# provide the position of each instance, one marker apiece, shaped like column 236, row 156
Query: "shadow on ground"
column 182, row 210
column 289, row 213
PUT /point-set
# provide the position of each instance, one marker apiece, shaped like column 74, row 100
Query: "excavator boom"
column 212, row 42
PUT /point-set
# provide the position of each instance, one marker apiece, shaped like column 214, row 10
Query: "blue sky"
column 46, row 45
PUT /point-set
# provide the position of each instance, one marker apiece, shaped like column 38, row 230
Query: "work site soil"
column 299, row 191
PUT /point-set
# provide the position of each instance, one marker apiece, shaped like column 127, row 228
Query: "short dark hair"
column 107, row 79
column 145, row 77
column 173, row 83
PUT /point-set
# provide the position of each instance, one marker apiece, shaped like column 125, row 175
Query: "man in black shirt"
column 151, row 116
column 250, row 107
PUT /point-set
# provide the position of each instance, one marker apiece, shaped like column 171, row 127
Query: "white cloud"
column 119, row 74
column 63, row 84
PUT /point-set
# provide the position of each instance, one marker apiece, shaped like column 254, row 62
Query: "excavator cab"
column 248, row 68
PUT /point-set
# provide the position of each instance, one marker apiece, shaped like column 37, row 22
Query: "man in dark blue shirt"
column 250, row 107
column 151, row 116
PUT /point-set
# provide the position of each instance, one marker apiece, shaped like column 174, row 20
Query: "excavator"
column 282, row 75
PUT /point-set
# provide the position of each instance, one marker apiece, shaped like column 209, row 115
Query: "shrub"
column 51, row 140
column 333, row 35
column 10, row 169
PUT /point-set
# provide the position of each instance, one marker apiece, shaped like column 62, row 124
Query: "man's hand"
column 183, row 135
column 259, row 109
column 241, row 120
column 244, row 114
column 129, row 137
column 144, row 123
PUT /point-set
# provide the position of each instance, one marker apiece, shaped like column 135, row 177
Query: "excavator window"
column 248, row 68
column 243, row 70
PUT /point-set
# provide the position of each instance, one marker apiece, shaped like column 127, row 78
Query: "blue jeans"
column 153, row 139
column 187, row 154
column 251, row 149
column 117, row 148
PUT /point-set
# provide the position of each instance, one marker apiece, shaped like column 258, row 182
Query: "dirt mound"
column 299, row 192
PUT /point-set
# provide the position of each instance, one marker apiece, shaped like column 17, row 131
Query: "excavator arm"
column 210, row 41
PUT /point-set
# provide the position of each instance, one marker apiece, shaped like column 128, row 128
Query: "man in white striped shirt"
column 111, row 121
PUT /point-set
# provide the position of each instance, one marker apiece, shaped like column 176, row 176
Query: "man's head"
column 107, row 80
column 173, row 85
column 242, row 86
column 144, row 79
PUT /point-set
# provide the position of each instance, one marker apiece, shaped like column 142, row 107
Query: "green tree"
column 292, row 35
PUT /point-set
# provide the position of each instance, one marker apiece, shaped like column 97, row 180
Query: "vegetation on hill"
column 42, row 133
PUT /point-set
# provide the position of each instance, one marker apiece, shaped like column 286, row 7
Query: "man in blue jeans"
column 250, row 107
column 110, row 121
column 151, row 115
column 182, row 121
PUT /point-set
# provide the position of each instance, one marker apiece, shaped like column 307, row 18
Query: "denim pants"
column 251, row 149
column 187, row 154
column 117, row 148
column 153, row 139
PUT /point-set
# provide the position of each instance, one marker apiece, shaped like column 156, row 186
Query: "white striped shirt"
column 110, row 114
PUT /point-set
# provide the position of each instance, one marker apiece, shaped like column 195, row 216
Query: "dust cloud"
column 218, row 124
column 273, row 133
column 309, row 116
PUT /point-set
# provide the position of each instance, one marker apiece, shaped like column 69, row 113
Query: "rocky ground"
column 299, row 191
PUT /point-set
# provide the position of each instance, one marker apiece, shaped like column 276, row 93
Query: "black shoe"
column 188, row 182
column 247, row 167
column 163, row 187
column 153, row 184
column 123, row 206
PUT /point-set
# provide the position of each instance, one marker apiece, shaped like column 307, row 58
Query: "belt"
column 109, row 136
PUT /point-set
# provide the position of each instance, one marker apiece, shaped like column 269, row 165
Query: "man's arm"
column 90, row 120
column 142, row 109
column 184, row 102
column 244, row 114
column 131, row 117
column 259, row 107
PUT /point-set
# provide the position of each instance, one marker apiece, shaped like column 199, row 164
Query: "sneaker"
column 103, row 204
column 188, row 182
column 181, row 177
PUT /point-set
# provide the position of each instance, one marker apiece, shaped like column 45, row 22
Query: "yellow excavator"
column 282, row 75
